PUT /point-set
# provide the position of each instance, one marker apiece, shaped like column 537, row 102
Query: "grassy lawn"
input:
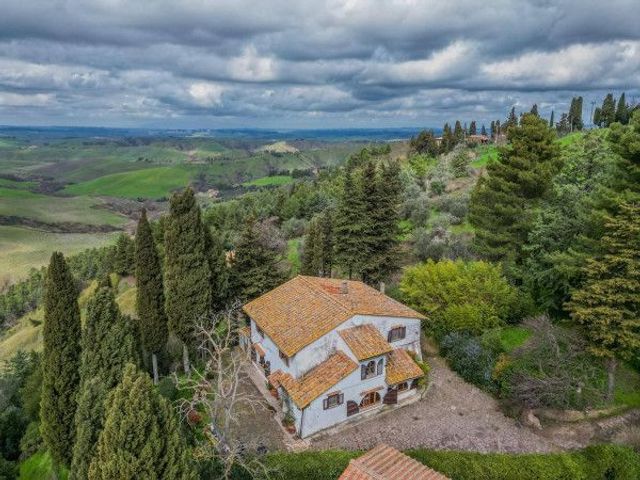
column 486, row 154
column 570, row 139
column 627, row 390
column 40, row 466
column 5, row 182
column 148, row 183
column 50, row 209
column 464, row 227
column 293, row 254
column 25, row 335
column 509, row 338
column 273, row 181
column 23, row 248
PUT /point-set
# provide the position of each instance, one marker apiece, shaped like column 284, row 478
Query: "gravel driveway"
column 453, row 415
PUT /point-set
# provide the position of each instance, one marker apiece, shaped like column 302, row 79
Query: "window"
column 333, row 400
column 396, row 333
column 403, row 386
column 380, row 367
column 370, row 399
column 284, row 358
column 371, row 369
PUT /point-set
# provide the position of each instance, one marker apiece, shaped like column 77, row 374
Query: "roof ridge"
column 320, row 290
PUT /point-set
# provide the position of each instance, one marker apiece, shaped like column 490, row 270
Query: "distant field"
column 150, row 183
column 24, row 248
column 45, row 208
column 274, row 180
column 4, row 182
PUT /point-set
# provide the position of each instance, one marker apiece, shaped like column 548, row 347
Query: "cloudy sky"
column 315, row 63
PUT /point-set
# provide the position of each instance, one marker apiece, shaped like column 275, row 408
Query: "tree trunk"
column 154, row 363
column 185, row 359
column 612, row 363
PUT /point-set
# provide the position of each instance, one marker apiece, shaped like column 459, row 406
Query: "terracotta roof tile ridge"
column 327, row 295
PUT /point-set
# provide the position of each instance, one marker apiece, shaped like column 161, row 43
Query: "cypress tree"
column 187, row 271
column 256, row 265
column 309, row 262
column 107, row 346
column 483, row 130
column 372, row 194
column 472, row 128
column 350, row 226
column 458, row 134
column 608, row 110
column 61, row 360
column 597, row 117
column 152, row 319
column 622, row 111
column 493, row 129
column 219, row 270
column 534, row 110
column 608, row 305
column 575, row 114
column 512, row 120
column 141, row 437
column 551, row 122
column 124, row 258
column 502, row 202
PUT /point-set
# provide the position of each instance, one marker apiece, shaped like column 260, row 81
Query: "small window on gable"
column 397, row 333
column 333, row 400
column 284, row 358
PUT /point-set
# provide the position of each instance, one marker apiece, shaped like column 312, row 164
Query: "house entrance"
column 370, row 399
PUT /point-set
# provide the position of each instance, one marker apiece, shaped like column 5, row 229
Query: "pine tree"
column 371, row 193
column 512, row 120
column 493, row 129
column 622, row 111
column 152, row 319
column 608, row 110
column 448, row 139
column 551, row 125
column 502, row 202
column 141, row 437
column 458, row 133
column 350, row 226
column 214, row 245
column 187, row 274
column 256, row 265
column 597, row 117
column 483, row 131
column 472, row 128
column 575, row 114
column 124, row 258
column 61, row 360
column 534, row 110
column 608, row 304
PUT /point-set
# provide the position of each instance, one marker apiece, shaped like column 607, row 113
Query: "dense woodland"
column 527, row 270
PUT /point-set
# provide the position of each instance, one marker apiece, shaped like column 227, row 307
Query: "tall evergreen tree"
column 608, row 305
column 622, row 111
column 187, row 274
column 597, row 117
column 551, row 125
column 534, row 110
column 493, row 129
column 152, row 319
column 502, row 202
column 61, row 360
column 575, row 114
column 472, row 128
column 512, row 120
column 349, row 226
column 141, row 437
column 257, row 265
column 124, row 258
column 483, row 130
column 219, row 270
column 371, row 193
column 458, row 133
column 608, row 110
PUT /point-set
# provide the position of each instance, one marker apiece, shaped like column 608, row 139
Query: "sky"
column 309, row 64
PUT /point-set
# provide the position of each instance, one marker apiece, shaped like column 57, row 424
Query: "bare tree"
column 219, row 391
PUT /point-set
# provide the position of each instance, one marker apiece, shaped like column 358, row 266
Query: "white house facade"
column 333, row 349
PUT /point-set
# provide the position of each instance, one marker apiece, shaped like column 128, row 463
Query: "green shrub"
column 468, row 317
column 469, row 358
column 601, row 462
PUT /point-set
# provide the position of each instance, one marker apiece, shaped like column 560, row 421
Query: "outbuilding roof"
column 315, row 382
column 386, row 463
column 365, row 341
column 401, row 367
column 304, row 309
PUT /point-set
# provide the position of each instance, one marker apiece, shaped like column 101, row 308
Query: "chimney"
column 382, row 287
column 344, row 287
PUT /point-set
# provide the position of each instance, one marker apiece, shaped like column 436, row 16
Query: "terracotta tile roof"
column 365, row 341
column 259, row 349
column 401, row 367
column 305, row 308
column 386, row 463
column 316, row 381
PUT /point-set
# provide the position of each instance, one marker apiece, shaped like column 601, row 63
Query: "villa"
column 333, row 349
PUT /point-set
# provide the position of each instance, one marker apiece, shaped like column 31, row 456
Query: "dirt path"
column 453, row 415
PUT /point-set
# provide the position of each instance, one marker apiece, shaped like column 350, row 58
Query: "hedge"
column 602, row 462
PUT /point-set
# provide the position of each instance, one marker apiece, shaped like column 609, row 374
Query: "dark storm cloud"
column 241, row 62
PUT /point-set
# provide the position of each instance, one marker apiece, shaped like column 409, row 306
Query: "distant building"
column 479, row 139
column 333, row 349
column 386, row 463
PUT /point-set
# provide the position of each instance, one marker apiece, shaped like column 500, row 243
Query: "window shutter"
column 363, row 372
column 325, row 403
column 341, row 399
column 404, row 332
column 389, row 335
column 380, row 366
